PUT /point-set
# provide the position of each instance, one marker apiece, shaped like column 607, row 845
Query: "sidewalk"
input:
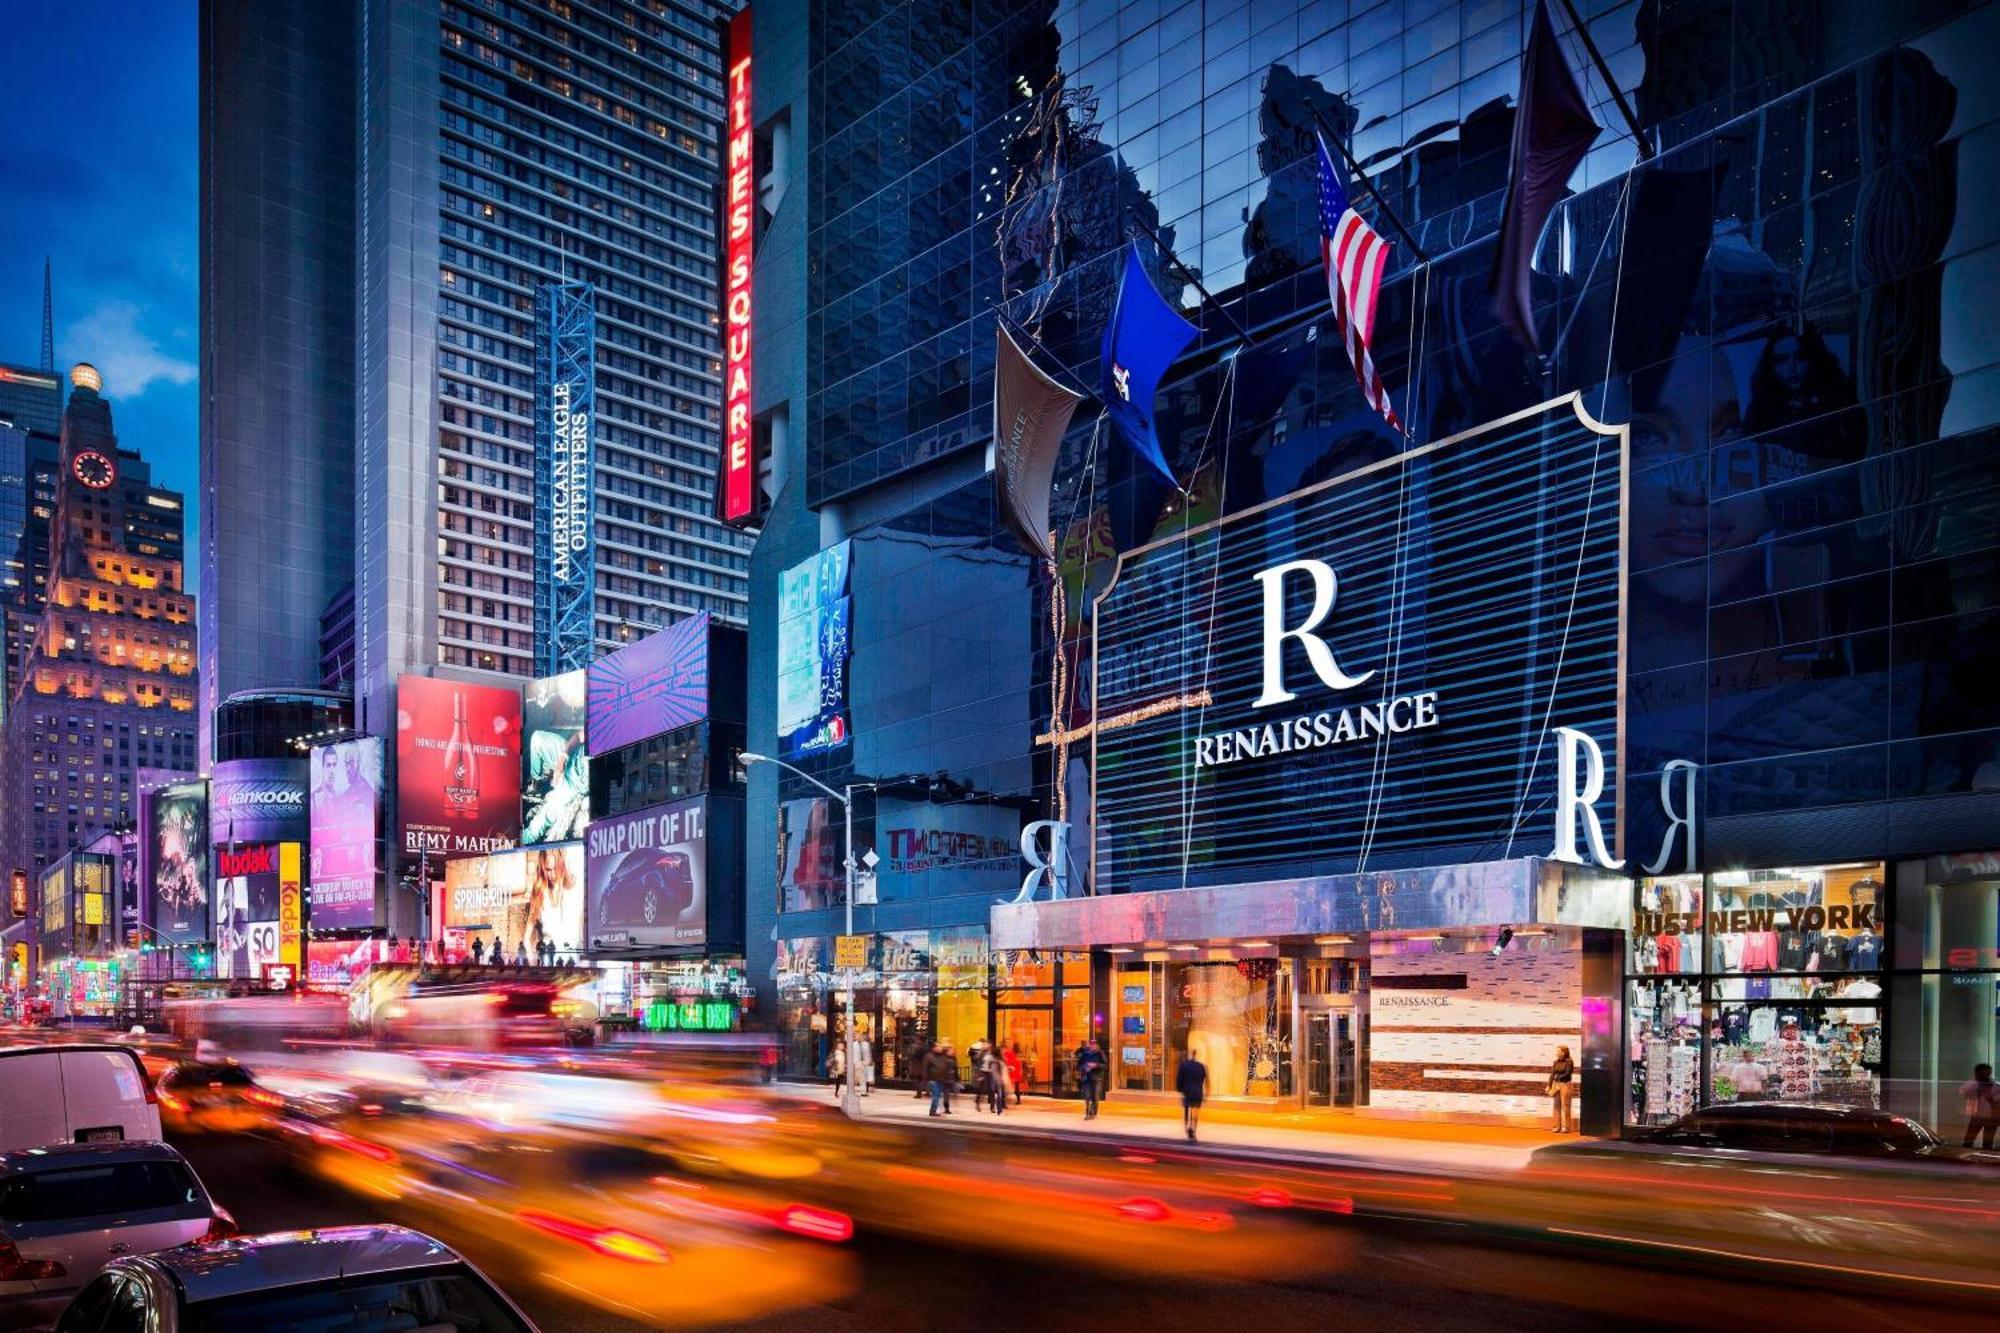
column 1317, row 1135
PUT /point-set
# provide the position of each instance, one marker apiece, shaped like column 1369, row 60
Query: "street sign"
column 850, row 952
column 864, row 889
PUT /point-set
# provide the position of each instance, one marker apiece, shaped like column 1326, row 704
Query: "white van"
column 74, row 1094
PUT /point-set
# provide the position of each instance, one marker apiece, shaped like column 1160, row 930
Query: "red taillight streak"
column 263, row 1098
column 609, row 1241
column 1145, row 1210
column 334, row 1138
column 818, row 1223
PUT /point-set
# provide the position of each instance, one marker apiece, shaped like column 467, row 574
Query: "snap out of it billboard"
column 647, row 877
column 1373, row 672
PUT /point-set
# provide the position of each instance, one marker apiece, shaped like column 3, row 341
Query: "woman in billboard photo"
column 552, row 911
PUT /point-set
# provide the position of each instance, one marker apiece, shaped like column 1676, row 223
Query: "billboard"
column 17, row 894
column 55, row 902
column 177, row 834
column 811, row 838
column 928, row 849
column 346, row 800
column 525, row 899
column 650, row 687
column 813, row 615
column 565, row 535
column 739, row 214
column 555, row 769
column 458, row 766
column 257, row 800
column 338, row 964
column 648, row 877
column 247, row 895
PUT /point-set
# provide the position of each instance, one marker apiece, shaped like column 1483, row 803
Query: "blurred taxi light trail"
column 171, row 1102
column 818, row 1223
column 1061, row 1200
column 605, row 1240
column 1761, row 1192
column 263, row 1098
column 1271, row 1197
column 1844, row 1270
column 1146, row 1210
column 1137, row 1158
column 334, row 1138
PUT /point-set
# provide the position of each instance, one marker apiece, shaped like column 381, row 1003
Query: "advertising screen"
column 458, row 766
column 346, row 833
column 555, row 770
column 247, row 891
column 526, row 899
column 17, row 894
column 337, row 964
column 810, row 840
column 648, row 877
column 257, row 800
column 928, row 849
column 178, row 834
column 654, row 685
column 55, row 902
column 813, row 613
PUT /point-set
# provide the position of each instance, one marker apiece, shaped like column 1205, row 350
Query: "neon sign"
column 739, row 203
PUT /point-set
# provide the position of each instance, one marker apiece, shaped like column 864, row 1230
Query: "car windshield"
column 434, row 1301
column 106, row 1189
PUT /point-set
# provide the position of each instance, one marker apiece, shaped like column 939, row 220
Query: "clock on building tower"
column 93, row 469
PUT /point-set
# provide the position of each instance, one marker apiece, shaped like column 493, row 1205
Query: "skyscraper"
column 108, row 682
column 495, row 153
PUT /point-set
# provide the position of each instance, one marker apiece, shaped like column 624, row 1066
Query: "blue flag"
column 1140, row 343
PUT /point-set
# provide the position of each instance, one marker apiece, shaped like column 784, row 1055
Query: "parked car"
column 647, row 889
column 354, row 1278
column 69, row 1209
column 1809, row 1129
column 219, row 1096
column 89, row 1092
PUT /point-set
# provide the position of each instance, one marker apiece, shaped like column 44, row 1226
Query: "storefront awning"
column 1522, row 891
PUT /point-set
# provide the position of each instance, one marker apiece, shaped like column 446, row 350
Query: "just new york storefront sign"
column 1373, row 672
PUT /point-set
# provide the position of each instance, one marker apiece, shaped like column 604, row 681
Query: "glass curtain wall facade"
column 1780, row 302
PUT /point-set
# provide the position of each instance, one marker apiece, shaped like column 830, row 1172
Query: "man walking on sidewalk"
column 1191, row 1081
column 1089, row 1068
column 940, row 1071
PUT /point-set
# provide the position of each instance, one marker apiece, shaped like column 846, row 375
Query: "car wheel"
column 649, row 906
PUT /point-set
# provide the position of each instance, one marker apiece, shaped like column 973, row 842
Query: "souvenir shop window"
column 1663, row 1026
column 1666, row 934
column 1826, row 1051
column 1818, row 919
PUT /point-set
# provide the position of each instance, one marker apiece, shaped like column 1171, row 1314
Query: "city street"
column 1362, row 1271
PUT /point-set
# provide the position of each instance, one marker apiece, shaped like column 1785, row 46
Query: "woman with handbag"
column 1562, row 1090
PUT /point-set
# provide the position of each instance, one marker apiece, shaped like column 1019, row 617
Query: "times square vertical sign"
column 737, row 493
column 565, row 537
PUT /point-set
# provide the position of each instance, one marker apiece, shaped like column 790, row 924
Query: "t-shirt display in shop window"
column 1809, row 920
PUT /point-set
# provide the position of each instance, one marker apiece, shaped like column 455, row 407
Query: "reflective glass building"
column 1763, row 364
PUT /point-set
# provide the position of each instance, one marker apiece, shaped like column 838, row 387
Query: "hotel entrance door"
column 1332, row 1068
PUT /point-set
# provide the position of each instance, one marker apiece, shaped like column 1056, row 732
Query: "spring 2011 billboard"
column 650, row 687
column 177, row 834
column 346, row 795
column 524, row 899
column 458, row 766
column 555, row 771
column 648, row 877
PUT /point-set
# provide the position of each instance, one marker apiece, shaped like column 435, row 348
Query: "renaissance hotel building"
column 1374, row 541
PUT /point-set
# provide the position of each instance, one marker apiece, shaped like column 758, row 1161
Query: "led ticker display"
column 1369, row 669
column 739, row 215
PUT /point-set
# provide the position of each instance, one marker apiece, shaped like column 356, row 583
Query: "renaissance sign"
column 1371, row 672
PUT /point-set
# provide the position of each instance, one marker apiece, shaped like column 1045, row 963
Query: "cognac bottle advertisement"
column 458, row 766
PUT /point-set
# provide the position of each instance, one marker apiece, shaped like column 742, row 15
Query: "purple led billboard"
column 657, row 684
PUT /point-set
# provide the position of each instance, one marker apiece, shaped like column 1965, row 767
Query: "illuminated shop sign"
column 565, row 536
column 739, row 467
column 1381, row 669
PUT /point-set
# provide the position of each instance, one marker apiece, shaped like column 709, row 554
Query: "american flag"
column 1354, row 256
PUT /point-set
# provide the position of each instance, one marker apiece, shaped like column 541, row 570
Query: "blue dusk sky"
column 100, row 167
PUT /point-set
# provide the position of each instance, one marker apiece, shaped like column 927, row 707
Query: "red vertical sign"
column 739, row 466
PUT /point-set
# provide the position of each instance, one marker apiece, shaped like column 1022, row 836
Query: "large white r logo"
column 1325, row 586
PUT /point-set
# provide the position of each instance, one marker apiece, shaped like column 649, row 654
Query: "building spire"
column 48, row 321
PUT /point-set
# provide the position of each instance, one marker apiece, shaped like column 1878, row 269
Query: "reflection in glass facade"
column 1783, row 302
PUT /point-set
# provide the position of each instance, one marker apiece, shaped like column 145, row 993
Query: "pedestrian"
column 1089, row 1068
column 864, row 1065
column 939, row 1071
column 1982, row 1105
column 1191, row 1081
column 914, row 1060
column 982, row 1082
column 1562, row 1090
column 836, row 1069
column 521, row 954
column 1016, row 1075
column 478, row 950
column 996, row 1079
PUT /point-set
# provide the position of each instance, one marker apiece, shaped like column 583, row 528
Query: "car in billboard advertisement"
column 555, row 767
column 346, row 800
column 458, row 766
column 650, row 687
column 648, row 877
column 530, row 901
column 257, row 800
column 177, row 836
column 247, row 884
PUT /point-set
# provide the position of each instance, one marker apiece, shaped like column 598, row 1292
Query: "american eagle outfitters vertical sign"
column 565, row 535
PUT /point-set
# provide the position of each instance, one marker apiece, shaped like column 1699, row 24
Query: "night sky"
column 100, row 168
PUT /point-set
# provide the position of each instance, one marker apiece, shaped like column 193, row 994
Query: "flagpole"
column 1167, row 253
column 1604, row 71
column 1328, row 135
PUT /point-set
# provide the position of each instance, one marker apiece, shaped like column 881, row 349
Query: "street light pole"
column 850, row 1103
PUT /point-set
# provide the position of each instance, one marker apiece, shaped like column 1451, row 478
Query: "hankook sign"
column 1369, row 673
